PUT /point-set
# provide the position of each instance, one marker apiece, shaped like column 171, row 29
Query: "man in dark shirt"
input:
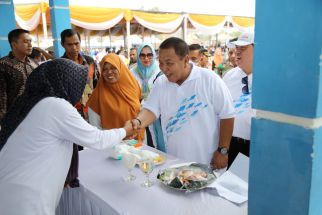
column 15, row 68
column 71, row 41
column 132, row 58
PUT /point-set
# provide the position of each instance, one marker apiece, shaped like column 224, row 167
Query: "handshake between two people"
column 132, row 128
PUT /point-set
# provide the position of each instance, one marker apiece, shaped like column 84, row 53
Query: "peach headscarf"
column 118, row 102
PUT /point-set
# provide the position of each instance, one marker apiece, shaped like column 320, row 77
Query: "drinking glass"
column 146, row 167
column 129, row 161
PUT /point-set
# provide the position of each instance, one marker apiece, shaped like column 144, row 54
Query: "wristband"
column 139, row 121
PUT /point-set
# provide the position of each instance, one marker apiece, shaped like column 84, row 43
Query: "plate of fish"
column 188, row 177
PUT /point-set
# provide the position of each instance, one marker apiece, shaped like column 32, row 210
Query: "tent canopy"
column 242, row 8
column 28, row 16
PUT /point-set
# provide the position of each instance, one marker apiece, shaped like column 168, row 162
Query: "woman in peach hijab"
column 116, row 98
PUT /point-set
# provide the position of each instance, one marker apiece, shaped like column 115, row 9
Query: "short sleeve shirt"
column 191, row 113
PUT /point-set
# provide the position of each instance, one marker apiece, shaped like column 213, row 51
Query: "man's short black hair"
column 13, row 35
column 194, row 47
column 204, row 52
column 180, row 46
column 68, row 33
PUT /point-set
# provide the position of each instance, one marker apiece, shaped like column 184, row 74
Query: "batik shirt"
column 13, row 76
column 93, row 76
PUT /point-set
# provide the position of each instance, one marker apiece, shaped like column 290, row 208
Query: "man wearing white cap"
column 239, row 83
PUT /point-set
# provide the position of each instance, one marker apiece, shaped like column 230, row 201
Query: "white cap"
column 244, row 39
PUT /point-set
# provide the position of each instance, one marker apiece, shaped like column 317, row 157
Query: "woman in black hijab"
column 37, row 136
column 68, row 83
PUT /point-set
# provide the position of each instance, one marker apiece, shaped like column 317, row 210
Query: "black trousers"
column 72, row 175
column 237, row 145
column 149, row 137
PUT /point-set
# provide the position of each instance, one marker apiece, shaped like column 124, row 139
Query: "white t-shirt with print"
column 242, row 102
column 191, row 113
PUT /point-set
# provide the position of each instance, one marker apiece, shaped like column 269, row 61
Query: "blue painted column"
column 60, row 20
column 7, row 24
column 286, row 140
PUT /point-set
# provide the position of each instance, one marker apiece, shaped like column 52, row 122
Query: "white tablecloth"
column 103, row 191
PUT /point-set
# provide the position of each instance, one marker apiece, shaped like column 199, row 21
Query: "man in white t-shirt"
column 239, row 82
column 195, row 106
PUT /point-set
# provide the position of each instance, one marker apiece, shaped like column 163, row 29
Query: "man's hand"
column 219, row 160
column 46, row 54
column 136, row 124
column 130, row 132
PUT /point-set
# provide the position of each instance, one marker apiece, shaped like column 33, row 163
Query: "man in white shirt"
column 194, row 53
column 239, row 82
column 195, row 107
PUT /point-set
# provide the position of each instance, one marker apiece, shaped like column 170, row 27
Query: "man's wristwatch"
column 222, row 150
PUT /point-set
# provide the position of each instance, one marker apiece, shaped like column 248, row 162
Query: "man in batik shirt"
column 15, row 68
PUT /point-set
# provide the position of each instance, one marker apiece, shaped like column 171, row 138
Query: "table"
column 103, row 191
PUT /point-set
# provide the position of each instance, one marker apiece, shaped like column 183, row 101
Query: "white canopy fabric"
column 100, row 25
column 97, row 18
column 243, row 8
column 160, row 26
column 117, row 17
column 212, row 25
column 29, row 24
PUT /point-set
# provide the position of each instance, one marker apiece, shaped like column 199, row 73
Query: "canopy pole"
column 85, row 40
column 43, row 9
column 184, row 26
column 110, row 37
column 44, row 27
column 89, row 42
column 216, row 41
column 60, row 20
column 124, row 38
column 142, row 33
column 37, row 33
column 128, row 40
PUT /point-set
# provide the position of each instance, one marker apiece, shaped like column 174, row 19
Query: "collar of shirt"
column 81, row 59
column 193, row 74
column 243, row 74
column 11, row 56
column 27, row 60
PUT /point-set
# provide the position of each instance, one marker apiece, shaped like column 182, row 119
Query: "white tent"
column 243, row 8
column 121, row 15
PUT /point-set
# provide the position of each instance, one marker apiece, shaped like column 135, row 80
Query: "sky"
column 212, row 7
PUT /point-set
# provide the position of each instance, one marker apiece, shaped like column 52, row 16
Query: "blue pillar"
column 60, row 20
column 286, row 140
column 7, row 24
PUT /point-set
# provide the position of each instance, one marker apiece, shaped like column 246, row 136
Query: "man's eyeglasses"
column 245, row 89
column 148, row 55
